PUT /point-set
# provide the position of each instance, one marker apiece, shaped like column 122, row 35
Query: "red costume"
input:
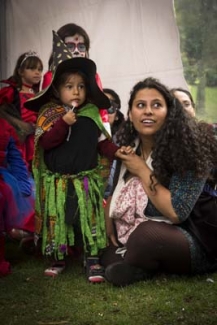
column 11, row 95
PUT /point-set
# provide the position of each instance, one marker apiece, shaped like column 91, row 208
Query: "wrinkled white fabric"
column 128, row 208
column 130, row 40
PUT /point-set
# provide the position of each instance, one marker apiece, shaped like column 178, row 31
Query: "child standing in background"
column 22, row 85
column 69, row 138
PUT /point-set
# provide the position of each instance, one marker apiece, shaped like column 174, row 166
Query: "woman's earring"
column 131, row 127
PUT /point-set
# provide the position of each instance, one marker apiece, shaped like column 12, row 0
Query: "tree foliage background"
column 197, row 22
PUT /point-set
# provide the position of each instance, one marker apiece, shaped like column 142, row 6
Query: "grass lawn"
column 27, row 297
column 210, row 113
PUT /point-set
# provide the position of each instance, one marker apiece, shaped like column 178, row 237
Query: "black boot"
column 122, row 274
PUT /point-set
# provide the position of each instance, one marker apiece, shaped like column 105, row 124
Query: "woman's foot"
column 121, row 274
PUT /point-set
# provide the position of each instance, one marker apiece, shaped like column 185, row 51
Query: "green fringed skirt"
column 50, row 212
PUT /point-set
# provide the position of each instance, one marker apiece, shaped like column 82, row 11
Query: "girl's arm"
column 57, row 132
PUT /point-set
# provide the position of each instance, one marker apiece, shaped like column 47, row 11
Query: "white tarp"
column 130, row 39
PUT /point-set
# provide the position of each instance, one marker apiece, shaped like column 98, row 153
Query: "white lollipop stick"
column 74, row 105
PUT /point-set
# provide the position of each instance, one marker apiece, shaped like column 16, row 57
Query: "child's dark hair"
column 27, row 60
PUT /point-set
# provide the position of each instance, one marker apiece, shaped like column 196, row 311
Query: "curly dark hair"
column 181, row 145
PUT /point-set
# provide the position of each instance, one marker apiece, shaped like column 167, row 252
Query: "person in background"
column 69, row 138
column 16, row 202
column 115, row 118
column 23, row 85
column 186, row 99
column 173, row 158
column 78, row 43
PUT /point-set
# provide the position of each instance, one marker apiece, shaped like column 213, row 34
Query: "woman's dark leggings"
column 154, row 246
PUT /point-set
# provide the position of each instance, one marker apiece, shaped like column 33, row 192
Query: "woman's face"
column 185, row 101
column 148, row 112
column 111, row 116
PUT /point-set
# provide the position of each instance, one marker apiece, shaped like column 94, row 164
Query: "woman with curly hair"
column 174, row 159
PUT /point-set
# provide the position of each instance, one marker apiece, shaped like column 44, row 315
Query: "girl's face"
column 185, row 101
column 111, row 116
column 148, row 112
column 31, row 76
column 76, row 45
column 73, row 90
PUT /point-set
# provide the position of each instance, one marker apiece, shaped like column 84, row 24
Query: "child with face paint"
column 77, row 41
column 70, row 136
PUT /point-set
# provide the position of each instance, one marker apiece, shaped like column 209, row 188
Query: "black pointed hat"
column 63, row 62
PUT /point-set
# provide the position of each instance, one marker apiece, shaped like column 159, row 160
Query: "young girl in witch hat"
column 70, row 136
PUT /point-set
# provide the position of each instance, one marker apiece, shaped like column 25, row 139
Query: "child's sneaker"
column 95, row 271
column 55, row 269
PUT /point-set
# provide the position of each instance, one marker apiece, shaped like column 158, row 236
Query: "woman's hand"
column 134, row 163
column 161, row 197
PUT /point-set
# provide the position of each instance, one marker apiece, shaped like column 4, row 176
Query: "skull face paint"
column 76, row 45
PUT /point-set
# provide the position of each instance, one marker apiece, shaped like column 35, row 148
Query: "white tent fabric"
column 130, row 39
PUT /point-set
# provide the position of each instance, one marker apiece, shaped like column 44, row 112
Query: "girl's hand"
column 70, row 117
column 124, row 151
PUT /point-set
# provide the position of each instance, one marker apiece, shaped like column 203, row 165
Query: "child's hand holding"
column 124, row 151
column 70, row 117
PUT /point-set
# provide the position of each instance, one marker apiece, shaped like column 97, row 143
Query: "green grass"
column 210, row 113
column 28, row 297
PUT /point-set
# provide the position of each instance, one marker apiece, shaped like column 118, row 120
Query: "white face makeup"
column 76, row 45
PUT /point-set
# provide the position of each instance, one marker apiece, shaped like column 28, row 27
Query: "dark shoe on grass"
column 95, row 271
column 121, row 274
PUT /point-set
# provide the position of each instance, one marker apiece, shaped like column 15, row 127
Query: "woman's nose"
column 148, row 109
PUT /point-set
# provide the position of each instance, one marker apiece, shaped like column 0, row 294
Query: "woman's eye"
column 186, row 105
column 157, row 105
column 81, row 86
column 140, row 105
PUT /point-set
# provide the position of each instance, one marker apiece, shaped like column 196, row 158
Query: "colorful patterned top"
column 69, row 187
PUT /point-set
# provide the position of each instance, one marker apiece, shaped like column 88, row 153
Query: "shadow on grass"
column 28, row 297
